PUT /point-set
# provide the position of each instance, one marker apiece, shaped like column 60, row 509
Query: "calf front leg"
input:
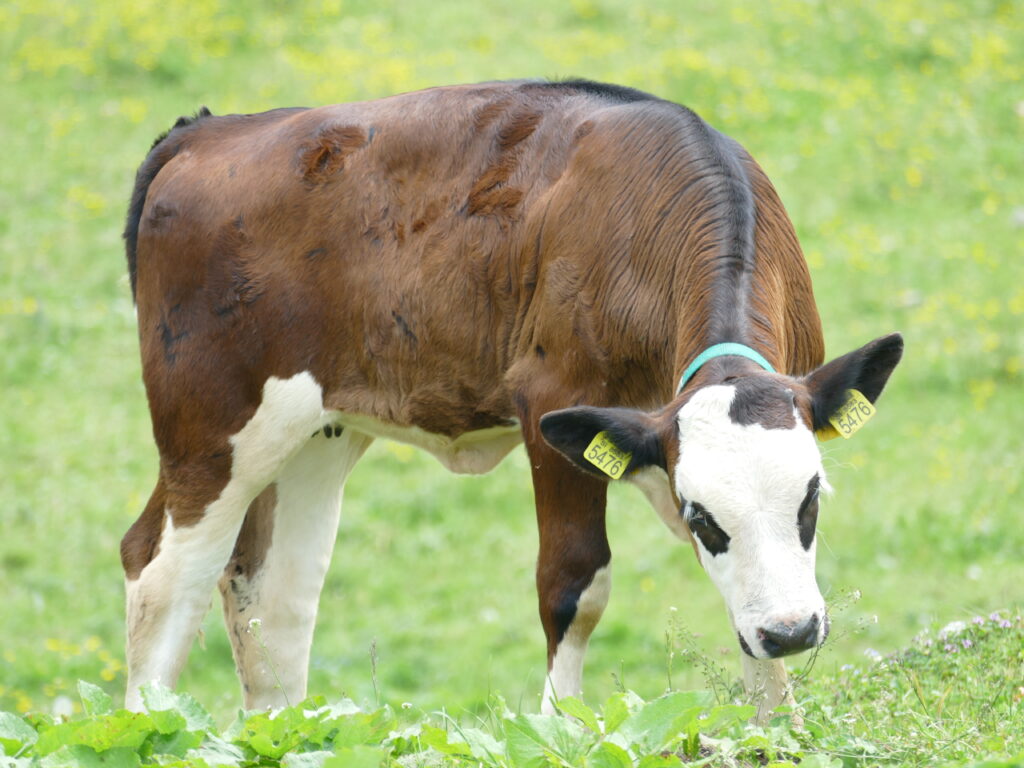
column 766, row 681
column 573, row 567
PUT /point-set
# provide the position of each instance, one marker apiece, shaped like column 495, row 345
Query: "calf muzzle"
column 784, row 639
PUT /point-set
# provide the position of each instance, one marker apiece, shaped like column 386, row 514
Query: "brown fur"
column 324, row 155
column 142, row 541
column 254, row 537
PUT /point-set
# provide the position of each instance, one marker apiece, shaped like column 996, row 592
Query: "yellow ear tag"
column 826, row 433
column 851, row 416
column 604, row 455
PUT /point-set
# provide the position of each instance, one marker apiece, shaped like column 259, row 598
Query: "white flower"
column 62, row 707
column 953, row 628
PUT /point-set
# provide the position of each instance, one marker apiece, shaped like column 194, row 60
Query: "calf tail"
column 164, row 148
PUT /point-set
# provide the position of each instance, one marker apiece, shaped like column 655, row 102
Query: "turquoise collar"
column 718, row 350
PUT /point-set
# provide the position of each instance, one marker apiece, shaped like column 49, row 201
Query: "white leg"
column 166, row 603
column 271, row 587
column 768, row 685
column 565, row 678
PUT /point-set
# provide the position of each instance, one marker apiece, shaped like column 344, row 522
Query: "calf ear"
column 865, row 369
column 571, row 431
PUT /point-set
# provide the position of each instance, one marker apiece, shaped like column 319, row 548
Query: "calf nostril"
column 808, row 634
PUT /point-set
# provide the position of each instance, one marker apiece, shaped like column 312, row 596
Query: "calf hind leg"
column 271, row 586
column 175, row 553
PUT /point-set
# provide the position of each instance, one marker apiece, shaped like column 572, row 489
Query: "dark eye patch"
column 807, row 517
column 704, row 527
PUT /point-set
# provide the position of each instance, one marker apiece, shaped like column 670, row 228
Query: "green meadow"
column 894, row 134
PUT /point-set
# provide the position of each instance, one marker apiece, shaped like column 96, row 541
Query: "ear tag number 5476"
column 852, row 414
column 604, row 455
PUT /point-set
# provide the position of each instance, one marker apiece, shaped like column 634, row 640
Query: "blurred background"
column 893, row 132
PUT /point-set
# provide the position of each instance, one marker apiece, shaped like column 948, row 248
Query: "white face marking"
column 752, row 480
column 565, row 678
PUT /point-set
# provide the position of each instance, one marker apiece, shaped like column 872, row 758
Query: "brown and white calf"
column 447, row 268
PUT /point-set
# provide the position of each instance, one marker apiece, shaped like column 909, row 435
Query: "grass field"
column 893, row 131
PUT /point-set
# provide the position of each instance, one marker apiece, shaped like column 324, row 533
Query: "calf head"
column 745, row 469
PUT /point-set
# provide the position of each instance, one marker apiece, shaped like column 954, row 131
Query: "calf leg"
column 271, row 586
column 174, row 554
column 573, row 567
column 766, row 681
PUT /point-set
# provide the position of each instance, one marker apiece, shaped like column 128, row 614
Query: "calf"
column 581, row 267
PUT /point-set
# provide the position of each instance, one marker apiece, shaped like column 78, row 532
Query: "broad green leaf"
column 270, row 734
column 363, row 728
column 160, row 698
column 81, row 756
column 216, row 751
column 723, row 717
column 608, row 755
column 119, row 729
column 405, row 741
column 176, row 743
column 441, row 741
column 573, row 707
column 168, row 721
column 275, row 734
column 756, row 740
column 95, row 700
column 267, row 746
column 618, row 707
column 530, row 739
column 359, row 756
column 15, row 733
column 56, row 736
column 482, row 745
column 661, row 720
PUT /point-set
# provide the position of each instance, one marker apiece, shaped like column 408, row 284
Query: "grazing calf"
column 584, row 268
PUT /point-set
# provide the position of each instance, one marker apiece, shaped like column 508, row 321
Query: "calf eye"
column 807, row 517
column 704, row 527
